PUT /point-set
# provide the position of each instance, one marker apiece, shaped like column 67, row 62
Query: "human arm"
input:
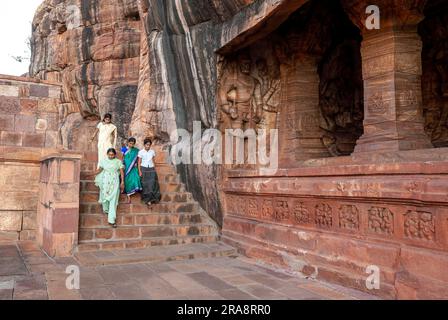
column 274, row 88
column 98, row 171
column 140, row 167
column 122, row 179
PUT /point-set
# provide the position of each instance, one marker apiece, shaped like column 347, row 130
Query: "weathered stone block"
column 39, row 91
column 6, row 122
column 103, row 234
column 27, row 235
column 19, row 200
column 29, row 105
column 52, row 121
column 41, row 125
column 63, row 244
column 29, row 220
column 53, row 169
column 67, row 171
column 11, row 220
column 127, row 233
column 48, row 105
column 9, row 105
column 24, row 91
column 65, row 220
column 67, row 193
column 36, row 140
column 55, row 92
column 25, row 123
column 9, row 91
column 51, row 139
column 85, row 235
column 11, row 138
column 9, row 235
column 44, row 174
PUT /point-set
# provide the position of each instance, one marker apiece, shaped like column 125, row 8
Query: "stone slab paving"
column 154, row 254
column 27, row 273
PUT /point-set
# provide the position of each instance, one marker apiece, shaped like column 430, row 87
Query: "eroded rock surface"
column 151, row 63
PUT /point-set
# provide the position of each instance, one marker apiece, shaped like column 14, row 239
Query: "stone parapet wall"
column 28, row 130
column 19, row 189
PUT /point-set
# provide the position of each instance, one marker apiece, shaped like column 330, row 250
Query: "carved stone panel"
column 324, row 216
column 267, row 209
column 253, row 209
column 301, row 213
column 281, row 210
column 381, row 221
column 349, row 217
column 419, row 225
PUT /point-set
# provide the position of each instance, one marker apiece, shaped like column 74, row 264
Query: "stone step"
column 92, row 206
column 89, row 185
column 100, row 220
column 174, row 197
column 91, row 167
column 161, row 168
column 162, row 156
column 163, row 177
column 155, row 254
column 136, row 232
column 145, row 243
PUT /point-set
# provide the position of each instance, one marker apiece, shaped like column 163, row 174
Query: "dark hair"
column 107, row 115
column 112, row 150
column 147, row 140
column 132, row 140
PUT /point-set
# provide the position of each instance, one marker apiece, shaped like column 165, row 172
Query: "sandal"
column 113, row 225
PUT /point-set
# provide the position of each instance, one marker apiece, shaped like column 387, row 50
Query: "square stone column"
column 300, row 133
column 58, row 207
column 392, row 71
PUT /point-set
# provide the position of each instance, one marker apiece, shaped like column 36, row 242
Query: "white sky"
column 15, row 27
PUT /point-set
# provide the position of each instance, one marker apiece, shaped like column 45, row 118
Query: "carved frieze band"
column 378, row 220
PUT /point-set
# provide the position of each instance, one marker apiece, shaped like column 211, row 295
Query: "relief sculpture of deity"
column 248, row 100
column 239, row 95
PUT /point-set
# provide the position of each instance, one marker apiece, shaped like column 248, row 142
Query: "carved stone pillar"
column 392, row 72
column 300, row 135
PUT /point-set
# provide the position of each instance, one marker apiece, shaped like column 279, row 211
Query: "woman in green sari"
column 108, row 180
column 132, row 183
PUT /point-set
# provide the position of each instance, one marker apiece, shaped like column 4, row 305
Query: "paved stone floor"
column 27, row 273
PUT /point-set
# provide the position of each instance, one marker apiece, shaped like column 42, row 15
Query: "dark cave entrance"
column 434, row 33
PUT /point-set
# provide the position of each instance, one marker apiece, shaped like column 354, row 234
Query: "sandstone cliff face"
column 151, row 63
column 93, row 48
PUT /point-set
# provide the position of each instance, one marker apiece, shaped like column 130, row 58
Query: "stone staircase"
column 176, row 220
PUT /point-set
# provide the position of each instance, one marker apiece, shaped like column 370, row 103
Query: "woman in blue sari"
column 132, row 181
